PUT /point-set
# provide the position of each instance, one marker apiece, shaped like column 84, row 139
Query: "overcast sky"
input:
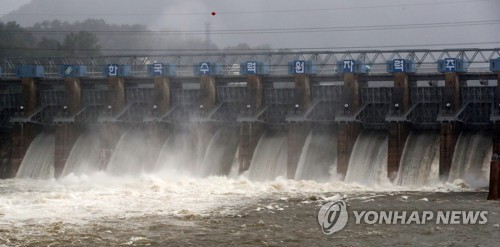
column 11, row 5
column 320, row 23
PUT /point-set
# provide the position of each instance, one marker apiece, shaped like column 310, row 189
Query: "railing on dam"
column 475, row 60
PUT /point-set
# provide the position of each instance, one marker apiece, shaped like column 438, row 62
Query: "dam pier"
column 408, row 117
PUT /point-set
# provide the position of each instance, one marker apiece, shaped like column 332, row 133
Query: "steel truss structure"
column 280, row 105
column 476, row 60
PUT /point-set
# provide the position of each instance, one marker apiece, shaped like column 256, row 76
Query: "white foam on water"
column 81, row 199
column 174, row 188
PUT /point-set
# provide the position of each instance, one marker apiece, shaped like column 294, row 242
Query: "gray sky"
column 11, row 5
column 321, row 23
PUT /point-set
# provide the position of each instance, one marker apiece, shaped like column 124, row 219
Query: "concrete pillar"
column 116, row 94
column 208, row 93
column 162, row 100
column 497, row 94
column 348, row 133
column 110, row 133
column 67, row 133
column 24, row 134
column 5, row 153
column 29, row 95
column 21, row 139
column 449, row 130
column 452, row 93
column 398, row 131
column 74, row 94
column 494, row 190
column 352, row 92
column 297, row 134
column 66, row 136
column 448, row 140
column 250, row 134
column 303, row 86
column 401, row 93
column 398, row 134
column 254, row 91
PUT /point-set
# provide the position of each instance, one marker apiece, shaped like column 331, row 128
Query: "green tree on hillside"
column 49, row 47
column 80, row 43
column 14, row 40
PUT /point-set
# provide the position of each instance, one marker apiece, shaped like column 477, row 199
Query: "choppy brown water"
column 220, row 211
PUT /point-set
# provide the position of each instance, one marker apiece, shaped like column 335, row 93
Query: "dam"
column 409, row 118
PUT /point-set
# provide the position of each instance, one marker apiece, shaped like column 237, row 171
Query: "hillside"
column 77, row 10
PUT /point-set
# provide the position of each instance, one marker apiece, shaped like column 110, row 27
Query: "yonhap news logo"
column 333, row 217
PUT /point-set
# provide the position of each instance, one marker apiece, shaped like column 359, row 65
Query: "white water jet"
column 318, row 156
column 368, row 162
column 84, row 156
column 130, row 155
column 270, row 157
column 219, row 156
column 176, row 155
column 471, row 159
column 420, row 160
column 38, row 163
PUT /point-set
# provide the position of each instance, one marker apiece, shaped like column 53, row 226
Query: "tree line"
column 97, row 37
column 18, row 41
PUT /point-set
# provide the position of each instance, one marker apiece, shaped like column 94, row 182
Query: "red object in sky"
column 213, row 13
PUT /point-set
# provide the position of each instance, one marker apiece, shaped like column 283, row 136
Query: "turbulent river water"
column 170, row 201
column 102, row 209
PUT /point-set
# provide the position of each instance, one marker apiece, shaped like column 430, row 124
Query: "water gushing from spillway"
column 235, row 167
column 270, row 157
column 38, row 163
column 419, row 164
column 368, row 162
column 471, row 160
column 220, row 154
column 131, row 154
column 319, row 156
column 175, row 154
column 84, row 156
column 184, row 151
column 198, row 152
